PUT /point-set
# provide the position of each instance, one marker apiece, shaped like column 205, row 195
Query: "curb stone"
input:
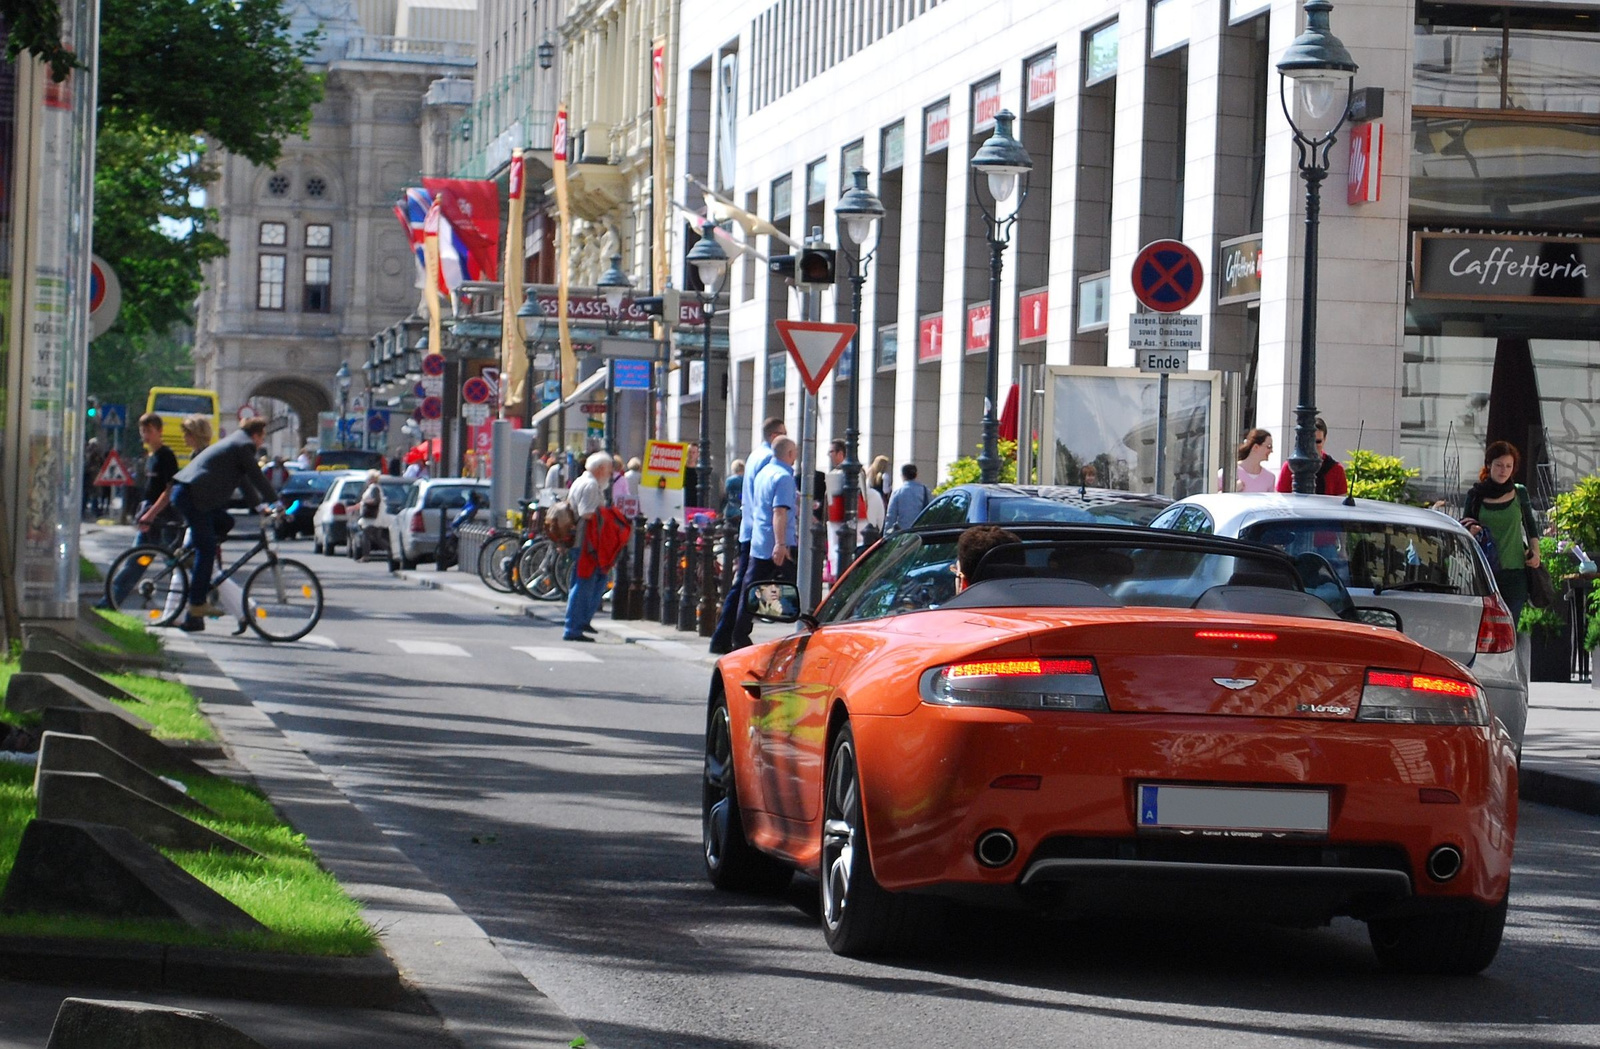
column 484, row 1000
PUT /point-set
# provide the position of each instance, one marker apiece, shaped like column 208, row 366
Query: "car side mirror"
column 773, row 602
column 1378, row 617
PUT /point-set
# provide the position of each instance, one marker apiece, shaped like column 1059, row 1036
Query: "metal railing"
column 411, row 49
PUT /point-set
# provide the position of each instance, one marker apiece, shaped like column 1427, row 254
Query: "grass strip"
column 168, row 706
column 129, row 634
column 87, row 572
column 303, row 907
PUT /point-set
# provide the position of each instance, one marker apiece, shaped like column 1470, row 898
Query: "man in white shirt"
column 586, row 496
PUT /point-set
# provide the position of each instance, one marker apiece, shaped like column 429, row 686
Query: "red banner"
column 1033, row 316
column 472, row 207
column 977, row 327
column 930, row 339
column 658, row 72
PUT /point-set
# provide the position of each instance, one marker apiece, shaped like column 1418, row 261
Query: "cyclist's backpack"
column 561, row 523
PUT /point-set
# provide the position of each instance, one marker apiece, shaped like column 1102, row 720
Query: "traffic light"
column 665, row 306
column 811, row 266
column 94, row 408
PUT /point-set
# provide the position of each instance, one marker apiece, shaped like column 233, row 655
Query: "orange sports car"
column 1108, row 718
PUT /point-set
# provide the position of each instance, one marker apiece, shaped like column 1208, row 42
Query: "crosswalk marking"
column 418, row 647
column 668, row 648
column 558, row 655
column 319, row 640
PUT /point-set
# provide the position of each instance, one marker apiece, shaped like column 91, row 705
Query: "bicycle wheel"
column 538, row 567
column 495, row 561
column 150, row 583
column 283, row 600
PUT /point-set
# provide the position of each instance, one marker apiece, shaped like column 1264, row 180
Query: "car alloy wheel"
column 839, row 829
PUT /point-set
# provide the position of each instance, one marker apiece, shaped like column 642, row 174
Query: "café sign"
column 1506, row 268
column 1239, row 272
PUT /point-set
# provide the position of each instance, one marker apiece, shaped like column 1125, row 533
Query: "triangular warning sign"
column 113, row 473
column 815, row 347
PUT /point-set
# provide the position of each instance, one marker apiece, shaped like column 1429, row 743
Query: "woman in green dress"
column 1501, row 506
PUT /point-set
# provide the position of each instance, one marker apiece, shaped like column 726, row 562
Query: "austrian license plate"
column 1233, row 808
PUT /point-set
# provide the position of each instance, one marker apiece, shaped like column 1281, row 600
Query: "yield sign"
column 815, row 347
column 113, row 473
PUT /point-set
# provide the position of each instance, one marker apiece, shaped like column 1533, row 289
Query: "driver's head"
column 974, row 544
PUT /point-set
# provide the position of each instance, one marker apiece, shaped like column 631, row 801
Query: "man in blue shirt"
column 771, row 498
column 907, row 501
column 725, row 639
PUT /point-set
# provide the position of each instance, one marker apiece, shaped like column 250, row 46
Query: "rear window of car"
column 1023, row 509
column 309, row 483
column 453, row 496
column 1382, row 555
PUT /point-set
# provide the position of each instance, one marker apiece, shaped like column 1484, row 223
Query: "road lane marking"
column 669, row 648
column 417, row 647
column 558, row 655
column 318, row 639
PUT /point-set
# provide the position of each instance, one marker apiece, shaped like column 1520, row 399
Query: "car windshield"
column 1031, row 508
column 308, row 483
column 1377, row 555
column 913, row 572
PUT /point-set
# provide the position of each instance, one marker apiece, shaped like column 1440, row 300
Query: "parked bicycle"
column 282, row 598
column 525, row 561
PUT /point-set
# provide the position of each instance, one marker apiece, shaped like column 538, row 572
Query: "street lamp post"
column 711, row 263
column 1005, row 165
column 859, row 212
column 614, row 284
column 1322, row 71
column 343, row 375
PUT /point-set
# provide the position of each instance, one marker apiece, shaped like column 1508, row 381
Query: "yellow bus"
column 172, row 403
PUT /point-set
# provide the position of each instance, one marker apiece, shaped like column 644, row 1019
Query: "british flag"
column 412, row 210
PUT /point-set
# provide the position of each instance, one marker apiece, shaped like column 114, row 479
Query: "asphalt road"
column 558, row 802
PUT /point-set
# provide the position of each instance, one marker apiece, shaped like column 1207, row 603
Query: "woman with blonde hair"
column 878, row 476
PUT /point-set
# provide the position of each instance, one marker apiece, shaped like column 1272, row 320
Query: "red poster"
column 985, row 105
column 936, row 122
column 1365, row 185
column 1033, row 316
column 558, row 136
column 1042, row 81
column 930, row 339
column 977, row 327
column 658, row 72
column 514, row 178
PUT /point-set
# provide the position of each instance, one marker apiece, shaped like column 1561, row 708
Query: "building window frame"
column 272, row 270
column 273, row 234
column 317, row 293
column 1092, row 38
column 319, row 235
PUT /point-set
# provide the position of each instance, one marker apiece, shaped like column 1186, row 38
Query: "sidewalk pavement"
column 1561, row 747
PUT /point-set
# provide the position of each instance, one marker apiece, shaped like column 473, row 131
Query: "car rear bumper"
column 930, row 784
column 338, row 531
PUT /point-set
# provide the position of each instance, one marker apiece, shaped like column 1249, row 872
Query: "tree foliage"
column 123, row 367
column 1383, row 477
column 35, row 26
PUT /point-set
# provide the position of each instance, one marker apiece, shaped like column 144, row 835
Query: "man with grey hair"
column 586, row 496
column 772, row 503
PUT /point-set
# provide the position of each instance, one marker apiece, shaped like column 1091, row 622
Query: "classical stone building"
column 317, row 259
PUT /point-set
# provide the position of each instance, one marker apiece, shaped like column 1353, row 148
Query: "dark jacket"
column 212, row 476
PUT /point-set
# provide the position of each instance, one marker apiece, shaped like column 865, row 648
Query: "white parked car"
column 341, row 507
column 1419, row 564
column 414, row 530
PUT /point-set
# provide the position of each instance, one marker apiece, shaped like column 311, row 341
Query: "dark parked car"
column 1004, row 504
column 308, row 489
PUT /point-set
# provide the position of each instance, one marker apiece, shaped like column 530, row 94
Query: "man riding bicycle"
column 200, row 492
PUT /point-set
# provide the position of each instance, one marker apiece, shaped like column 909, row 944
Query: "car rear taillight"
column 417, row 525
column 1497, row 631
column 1421, row 699
column 1026, row 684
column 338, row 510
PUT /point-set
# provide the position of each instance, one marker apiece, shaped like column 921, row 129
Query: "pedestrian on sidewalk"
column 1500, row 507
column 586, row 497
column 726, row 637
column 159, row 469
column 1330, row 475
column 771, row 507
column 907, row 501
column 203, row 488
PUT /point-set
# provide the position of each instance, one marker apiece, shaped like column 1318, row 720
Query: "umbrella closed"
column 1008, row 416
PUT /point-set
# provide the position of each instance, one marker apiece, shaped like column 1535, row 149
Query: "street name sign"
column 815, row 347
column 1167, row 276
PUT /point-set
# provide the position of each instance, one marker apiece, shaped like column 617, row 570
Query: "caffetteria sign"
column 1505, row 268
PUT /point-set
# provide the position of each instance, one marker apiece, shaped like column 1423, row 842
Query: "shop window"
column 816, row 182
column 273, row 234
column 782, row 198
column 1169, row 25
column 1094, row 302
column 319, row 235
column 270, row 271
column 1534, row 60
column 1100, row 54
column 319, row 279
column 894, row 147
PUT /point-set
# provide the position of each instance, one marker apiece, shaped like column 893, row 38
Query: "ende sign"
column 1506, row 269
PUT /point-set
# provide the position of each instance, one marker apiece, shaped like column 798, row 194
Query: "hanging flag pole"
column 430, row 291
column 513, row 355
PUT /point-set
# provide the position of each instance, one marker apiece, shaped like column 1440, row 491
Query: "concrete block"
column 40, row 662
column 75, row 867
column 36, row 638
column 86, row 1023
column 33, row 692
column 65, row 752
column 121, row 733
column 90, row 797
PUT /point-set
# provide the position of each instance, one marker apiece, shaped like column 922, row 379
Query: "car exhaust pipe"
column 995, row 848
column 1444, row 863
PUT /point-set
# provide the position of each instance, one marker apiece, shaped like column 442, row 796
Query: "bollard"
column 652, row 578
column 711, row 585
column 689, row 591
column 636, row 580
column 669, row 575
column 619, row 585
column 869, row 536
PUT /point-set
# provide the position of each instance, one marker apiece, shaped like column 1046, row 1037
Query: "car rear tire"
column 317, row 546
column 1456, row 943
column 860, row 918
column 732, row 863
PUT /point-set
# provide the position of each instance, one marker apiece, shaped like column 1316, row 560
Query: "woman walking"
column 1499, row 506
column 1250, row 472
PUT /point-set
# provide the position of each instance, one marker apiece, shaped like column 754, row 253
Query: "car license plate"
column 1233, row 808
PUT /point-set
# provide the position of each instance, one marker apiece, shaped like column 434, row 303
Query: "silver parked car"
column 414, row 530
column 1419, row 564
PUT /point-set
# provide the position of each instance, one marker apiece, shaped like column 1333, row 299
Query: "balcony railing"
column 410, row 49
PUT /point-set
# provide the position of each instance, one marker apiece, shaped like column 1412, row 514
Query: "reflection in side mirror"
column 1378, row 617
column 773, row 602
